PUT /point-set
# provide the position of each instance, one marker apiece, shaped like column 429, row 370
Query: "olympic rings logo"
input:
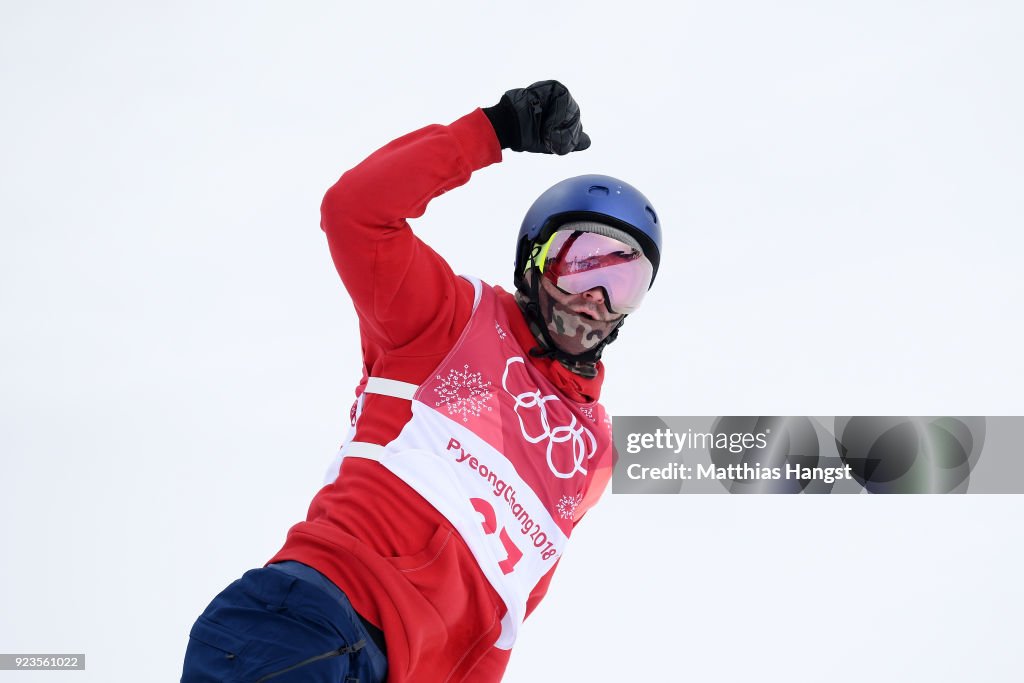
column 583, row 443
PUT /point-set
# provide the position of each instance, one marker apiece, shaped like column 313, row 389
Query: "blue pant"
column 283, row 623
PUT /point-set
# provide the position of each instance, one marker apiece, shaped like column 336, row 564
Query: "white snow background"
column 841, row 189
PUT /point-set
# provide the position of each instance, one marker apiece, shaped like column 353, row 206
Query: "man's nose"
column 595, row 295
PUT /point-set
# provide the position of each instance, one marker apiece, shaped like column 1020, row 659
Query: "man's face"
column 589, row 305
column 576, row 322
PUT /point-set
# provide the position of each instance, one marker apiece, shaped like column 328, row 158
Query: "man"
column 477, row 442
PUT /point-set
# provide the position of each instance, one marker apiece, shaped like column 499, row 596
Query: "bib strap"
column 390, row 387
column 363, row 449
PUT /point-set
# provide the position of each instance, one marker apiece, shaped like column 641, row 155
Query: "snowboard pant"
column 283, row 623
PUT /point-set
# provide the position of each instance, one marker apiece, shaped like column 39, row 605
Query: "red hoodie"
column 396, row 557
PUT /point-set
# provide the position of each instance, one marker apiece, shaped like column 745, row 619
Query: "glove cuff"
column 505, row 122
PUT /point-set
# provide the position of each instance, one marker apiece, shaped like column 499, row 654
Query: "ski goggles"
column 576, row 262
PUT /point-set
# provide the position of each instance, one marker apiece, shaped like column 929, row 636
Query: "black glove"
column 541, row 118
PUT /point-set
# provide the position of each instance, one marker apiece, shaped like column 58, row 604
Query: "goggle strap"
column 541, row 255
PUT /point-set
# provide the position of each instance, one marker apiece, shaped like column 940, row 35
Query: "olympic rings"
column 584, row 445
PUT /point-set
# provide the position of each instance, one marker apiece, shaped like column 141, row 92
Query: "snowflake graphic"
column 588, row 412
column 463, row 393
column 501, row 333
column 567, row 506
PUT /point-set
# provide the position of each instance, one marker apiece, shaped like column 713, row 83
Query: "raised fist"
column 540, row 118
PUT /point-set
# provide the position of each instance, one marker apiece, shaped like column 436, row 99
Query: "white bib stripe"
column 390, row 387
column 362, row 449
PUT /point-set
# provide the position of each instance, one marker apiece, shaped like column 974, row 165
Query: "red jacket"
column 368, row 530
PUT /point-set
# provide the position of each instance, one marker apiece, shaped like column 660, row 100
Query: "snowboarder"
column 477, row 441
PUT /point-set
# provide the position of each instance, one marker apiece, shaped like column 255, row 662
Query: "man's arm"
column 401, row 288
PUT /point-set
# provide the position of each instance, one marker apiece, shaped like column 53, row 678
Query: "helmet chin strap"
column 583, row 364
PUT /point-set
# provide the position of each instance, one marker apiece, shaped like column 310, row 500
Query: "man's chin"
column 571, row 346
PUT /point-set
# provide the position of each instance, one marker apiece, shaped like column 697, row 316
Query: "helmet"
column 586, row 199
column 597, row 198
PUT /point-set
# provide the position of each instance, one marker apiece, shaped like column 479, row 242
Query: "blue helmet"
column 598, row 198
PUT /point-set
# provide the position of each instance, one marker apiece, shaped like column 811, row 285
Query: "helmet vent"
column 654, row 216
column 599, row 189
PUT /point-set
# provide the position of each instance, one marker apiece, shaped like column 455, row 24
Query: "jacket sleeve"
column 402, row 290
